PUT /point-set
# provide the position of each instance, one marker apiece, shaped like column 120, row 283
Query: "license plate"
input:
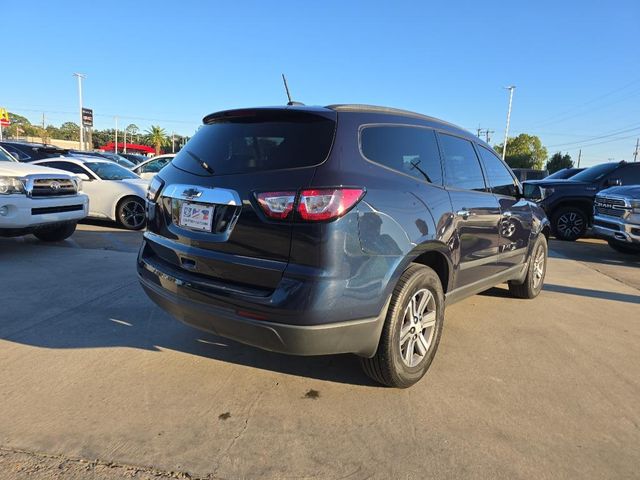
column 196, row 216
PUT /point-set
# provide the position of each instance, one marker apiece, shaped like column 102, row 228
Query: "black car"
column 569, row 203
column 339, row 229
column 564, row 173
column 29, row 152
column 134, row 157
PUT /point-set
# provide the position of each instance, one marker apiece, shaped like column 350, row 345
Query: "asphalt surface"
column 98, row 383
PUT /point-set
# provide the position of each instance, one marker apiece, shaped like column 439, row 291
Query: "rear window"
column 258, row 141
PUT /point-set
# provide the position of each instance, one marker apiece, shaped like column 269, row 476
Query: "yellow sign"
column 4, row 117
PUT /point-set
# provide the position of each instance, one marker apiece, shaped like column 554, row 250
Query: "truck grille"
column 53, row 187
column 613, row 207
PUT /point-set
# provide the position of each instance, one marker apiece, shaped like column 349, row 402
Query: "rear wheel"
column 56, row 233
column 536, row 271
column 569, row 223
column 131, row 213
column 623, row 247
column 412, row 330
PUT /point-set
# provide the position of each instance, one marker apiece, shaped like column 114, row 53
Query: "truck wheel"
column 536, row 271
column 569, row 223
column 623, row 247
column 55, row 234
column 412, row 330
column 131, row 213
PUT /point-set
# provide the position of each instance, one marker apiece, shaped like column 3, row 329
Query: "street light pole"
column 511, row 88
column 80, row 77
column 115, row 149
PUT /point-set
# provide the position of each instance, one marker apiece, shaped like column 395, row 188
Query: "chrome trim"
column 29, row 182
column 200, row 194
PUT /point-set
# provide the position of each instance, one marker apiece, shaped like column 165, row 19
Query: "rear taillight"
column 311, row 205
column 276, row 205
column 328, row 203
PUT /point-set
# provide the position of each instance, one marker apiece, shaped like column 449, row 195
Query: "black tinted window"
column 410, row 150
column 461, row 165
column 258, row 140
column 629, row 174
column 498, row 175
column 19, row 154
column 67, row 166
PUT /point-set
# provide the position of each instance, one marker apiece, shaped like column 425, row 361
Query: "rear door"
column 516, row 216
column 476, row 211
column 233, row 158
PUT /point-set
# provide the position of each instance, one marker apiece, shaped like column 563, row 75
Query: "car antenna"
column 286, row 87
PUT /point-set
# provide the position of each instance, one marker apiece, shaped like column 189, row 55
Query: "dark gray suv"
column 339, row 229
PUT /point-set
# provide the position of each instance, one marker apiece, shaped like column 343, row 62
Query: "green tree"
column 69, row 131
column 157, row 137
column 132, row 130
column 559, row 161
column 524, row 151
column 20, row 126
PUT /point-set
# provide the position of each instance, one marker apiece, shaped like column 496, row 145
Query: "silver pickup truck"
column 616, row 217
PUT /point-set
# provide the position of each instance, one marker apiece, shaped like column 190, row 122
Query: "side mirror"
column 614, row 182
column 84, row 177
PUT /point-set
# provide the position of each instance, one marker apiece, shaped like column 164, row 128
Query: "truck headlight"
column 78, row 182
column 546, row 192
column 635, row 206
column 11, row 185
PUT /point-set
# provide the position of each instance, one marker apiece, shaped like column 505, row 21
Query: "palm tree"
column 157, row 137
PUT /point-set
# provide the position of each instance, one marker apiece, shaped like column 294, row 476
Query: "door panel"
column 515, row 231
column 477, row 234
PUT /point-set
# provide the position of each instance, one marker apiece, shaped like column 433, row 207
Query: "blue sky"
column 576, row 64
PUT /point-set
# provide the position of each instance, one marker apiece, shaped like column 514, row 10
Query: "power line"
column 549, row 120
column 637, row 127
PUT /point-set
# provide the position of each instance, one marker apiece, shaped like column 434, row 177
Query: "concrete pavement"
column 91, row 370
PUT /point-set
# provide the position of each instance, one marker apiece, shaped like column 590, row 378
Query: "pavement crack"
column 85, row 464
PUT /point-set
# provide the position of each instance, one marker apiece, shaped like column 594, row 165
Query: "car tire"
column 623, row 247
column 416, row 312
column 569, row 223
column 56, row 233
column 131, row 213
column 536, row 271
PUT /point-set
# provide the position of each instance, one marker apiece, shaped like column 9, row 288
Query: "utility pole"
column 488, row 134
column 511, row 88
column 479, row 130
column 579, row 157
column 80, row 77
column 173, row 143
column 115, row 149
column 43, row 131
column 635, row 152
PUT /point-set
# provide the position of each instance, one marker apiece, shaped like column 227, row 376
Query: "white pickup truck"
column 43, row 201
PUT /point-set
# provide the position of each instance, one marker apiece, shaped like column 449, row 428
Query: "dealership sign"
column 4, row 117
column 87, row 117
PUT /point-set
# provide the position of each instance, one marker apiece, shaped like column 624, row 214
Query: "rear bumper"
column 616, row 229
column 230, row 319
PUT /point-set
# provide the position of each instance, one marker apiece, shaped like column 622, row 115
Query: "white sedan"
column 115, row 193
column 149, row 168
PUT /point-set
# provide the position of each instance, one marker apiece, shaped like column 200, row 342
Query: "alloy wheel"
column 418, row 327
column 570, row 225
column 132, row 214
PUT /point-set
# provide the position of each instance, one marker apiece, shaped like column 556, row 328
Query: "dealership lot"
column 97, row 382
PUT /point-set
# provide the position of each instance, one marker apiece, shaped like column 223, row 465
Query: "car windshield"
column 595, row 173
column 110, row 171
column 5, row 156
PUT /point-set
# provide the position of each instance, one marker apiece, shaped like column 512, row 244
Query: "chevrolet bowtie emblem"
column 191, row 193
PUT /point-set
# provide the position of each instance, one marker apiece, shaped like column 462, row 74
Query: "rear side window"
column 498, row 175
column 67, row 166
column 19, row 154
column 629, row 174
column 410, row 150
column 256, row 141
column 461, row 166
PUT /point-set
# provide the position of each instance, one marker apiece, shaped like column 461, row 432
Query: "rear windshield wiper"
column 415, row 165
column 202, row 163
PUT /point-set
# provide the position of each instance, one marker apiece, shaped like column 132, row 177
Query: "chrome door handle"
column 463, row 213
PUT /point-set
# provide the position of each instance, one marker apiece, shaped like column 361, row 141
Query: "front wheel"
column 412, row 330
column 569, row 223
column 56, row 233
column 131, row 213
column 536, row 271
column 624, row 247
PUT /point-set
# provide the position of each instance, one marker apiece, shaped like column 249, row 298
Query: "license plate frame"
column 196, row 216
